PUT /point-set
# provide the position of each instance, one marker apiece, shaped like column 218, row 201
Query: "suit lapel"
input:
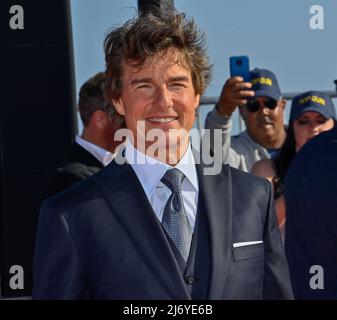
column 127, row 199
column 217, row 194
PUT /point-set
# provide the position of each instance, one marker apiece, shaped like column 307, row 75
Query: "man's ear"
column 283, row 103
column 100, row 118
column 119, row 106
column 196, row 100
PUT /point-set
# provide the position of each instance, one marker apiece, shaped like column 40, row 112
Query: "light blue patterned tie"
column 175, row 220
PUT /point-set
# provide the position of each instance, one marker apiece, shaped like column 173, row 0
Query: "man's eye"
column 178, row 85
column 141, row 86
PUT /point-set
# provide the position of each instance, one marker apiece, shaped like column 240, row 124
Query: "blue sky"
column 274, row 34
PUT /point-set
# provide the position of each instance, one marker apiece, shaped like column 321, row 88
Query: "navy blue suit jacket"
column 101, row 240
column 311, row 227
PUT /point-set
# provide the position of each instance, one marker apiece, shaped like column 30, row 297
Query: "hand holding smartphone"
column 239, row 66
column 234, row 92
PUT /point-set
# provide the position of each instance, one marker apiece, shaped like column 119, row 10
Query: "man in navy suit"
column 96, row 146
column 311, row 227
column 153, row 224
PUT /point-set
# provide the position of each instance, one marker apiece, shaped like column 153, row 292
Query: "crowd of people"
column 162, row 228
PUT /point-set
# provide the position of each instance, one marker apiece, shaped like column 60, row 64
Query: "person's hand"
column 234, row 93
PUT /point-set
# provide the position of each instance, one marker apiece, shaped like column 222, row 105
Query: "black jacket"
column 81, row 166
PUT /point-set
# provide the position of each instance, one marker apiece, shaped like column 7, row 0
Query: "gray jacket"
column 239, row 151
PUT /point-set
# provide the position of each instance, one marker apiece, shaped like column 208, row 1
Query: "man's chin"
column 265, row 136
column 267, row 130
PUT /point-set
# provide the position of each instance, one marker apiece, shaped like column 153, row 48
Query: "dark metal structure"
column 37, row 125
column 147, row 5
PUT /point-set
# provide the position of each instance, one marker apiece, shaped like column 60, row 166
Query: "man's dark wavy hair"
column 141, row 38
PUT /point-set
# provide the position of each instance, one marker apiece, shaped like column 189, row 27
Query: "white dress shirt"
column 102, row 155
column 149, row 172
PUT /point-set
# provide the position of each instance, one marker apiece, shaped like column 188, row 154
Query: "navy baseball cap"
column 264, row 83
column 312, row 101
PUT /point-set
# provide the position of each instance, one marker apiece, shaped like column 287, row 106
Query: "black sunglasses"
column 254, row 105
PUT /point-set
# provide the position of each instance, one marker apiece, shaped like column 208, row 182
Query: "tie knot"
column 173, row 179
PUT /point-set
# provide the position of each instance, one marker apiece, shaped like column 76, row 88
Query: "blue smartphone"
column 239, row 66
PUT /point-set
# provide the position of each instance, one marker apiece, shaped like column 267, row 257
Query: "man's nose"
column 263, row 109
column 163, row 98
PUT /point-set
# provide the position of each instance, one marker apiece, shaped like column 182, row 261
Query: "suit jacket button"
column 189, row 280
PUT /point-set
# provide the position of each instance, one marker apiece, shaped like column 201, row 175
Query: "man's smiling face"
column 161, row 94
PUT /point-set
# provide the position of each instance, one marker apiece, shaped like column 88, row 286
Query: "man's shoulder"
column 245, row 145
column 74, row 195
column 81, row 165
column 68, row 175
column 247, row 182
column 243, row 140
column 79, row 154
column 84, row 191
column 250, row 150
column 78, row 168
column 242, row 175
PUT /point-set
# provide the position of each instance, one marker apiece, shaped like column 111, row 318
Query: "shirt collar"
column 102, row 155
column 149, row 170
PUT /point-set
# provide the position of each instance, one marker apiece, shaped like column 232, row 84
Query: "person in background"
column 95, row 148
column 311, row 229
column 262, row 108
column 311, row 113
